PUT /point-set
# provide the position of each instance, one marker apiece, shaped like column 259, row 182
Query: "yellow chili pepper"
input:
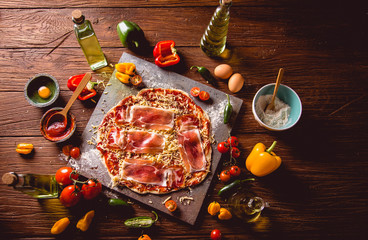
column 261, row 162
column 144, row 237
column 60, row 226
column 24, row 148
column 224, row 214
column 127, row 68
column 124, row 78
column 213, row 208
column 83, row 224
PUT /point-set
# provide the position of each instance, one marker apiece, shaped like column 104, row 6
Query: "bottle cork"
column 9, row 178
column 77, row 16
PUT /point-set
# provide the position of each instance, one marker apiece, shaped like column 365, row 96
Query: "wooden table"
column 321, row 189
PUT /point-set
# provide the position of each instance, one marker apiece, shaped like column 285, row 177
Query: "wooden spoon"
column 271, row 106
column 62, row 115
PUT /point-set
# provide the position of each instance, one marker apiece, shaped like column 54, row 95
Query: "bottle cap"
column 9, row 178
column 77, row 16
column 225, row 2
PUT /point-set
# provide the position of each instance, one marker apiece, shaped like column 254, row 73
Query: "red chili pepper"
column 88, row 91
column 165, row 54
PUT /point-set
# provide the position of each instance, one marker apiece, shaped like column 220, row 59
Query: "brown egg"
column 223, row 71
column 236, row 82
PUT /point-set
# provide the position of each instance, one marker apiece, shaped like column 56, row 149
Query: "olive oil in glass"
column 35, row 185
column 88, row 41
column 213, row 41
column 246, row 206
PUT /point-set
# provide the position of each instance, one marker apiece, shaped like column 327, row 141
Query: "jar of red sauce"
column 55, row 131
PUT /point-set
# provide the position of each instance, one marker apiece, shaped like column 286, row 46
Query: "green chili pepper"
column 228, row 110
column 131, row 36
column 117, row 202
column 205, row 73
column 141, row 222
column 233, row 185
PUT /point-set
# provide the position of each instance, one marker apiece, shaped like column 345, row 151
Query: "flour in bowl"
column 274, row 118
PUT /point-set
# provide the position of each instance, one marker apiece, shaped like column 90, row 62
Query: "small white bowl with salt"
column 287, row 112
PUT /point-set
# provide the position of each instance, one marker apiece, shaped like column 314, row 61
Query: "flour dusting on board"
column 151, row 81
column 215, row 112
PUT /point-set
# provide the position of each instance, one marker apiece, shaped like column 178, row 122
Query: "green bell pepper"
column 131, row 35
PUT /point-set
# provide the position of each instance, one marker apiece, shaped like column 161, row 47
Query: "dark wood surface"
column 321, row 189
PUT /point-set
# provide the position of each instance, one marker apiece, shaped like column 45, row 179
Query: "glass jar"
column 246, row 206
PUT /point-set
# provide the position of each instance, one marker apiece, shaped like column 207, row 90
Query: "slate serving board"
column 90, row 163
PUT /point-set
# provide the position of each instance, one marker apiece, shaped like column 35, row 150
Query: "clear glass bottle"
column 88, row 41
column 245, row 205
column 36, row 185
column 213, row 41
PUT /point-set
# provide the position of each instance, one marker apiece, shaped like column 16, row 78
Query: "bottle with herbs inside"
column 88, row 41
column 35, row 185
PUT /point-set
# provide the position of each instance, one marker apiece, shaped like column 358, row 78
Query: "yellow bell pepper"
column 127, row 68
column 83, row 224
column 24, row 148
column 60, row 226
column 261, row 162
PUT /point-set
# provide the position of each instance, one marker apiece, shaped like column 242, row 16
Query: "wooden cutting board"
column 90, row 164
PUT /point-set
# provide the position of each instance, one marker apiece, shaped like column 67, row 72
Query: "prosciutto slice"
column 191, row 150
column 187, row 122
column 190, row 144
column 115, row 138
column 148, row 172
column 151, row 118
column 144, row 142
column 135, row 141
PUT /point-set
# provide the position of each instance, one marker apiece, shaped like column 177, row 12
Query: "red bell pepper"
column 87, row 92
column 165, row 54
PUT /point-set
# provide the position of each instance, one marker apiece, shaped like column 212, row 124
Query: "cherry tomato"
column 235, row 152
column 233, row 141
column 171, row 205
column 75, row 152
column 223, row 147
column 215, row 234
column 195, row 91
column 136, row 80
column 66, row 149
column 63, row 176
column 204, row 96
column 235, row 171
column 91, row 189
column 70, row 196
column 225, row 176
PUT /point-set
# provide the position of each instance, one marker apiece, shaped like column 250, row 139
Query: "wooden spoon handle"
column 278, row 81
column 76, row 93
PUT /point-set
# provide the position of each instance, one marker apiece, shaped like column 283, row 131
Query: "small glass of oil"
column 245, row 205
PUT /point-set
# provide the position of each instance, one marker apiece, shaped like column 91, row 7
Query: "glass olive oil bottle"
column 88, row 41
column 36, row 185
column 213, row 41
